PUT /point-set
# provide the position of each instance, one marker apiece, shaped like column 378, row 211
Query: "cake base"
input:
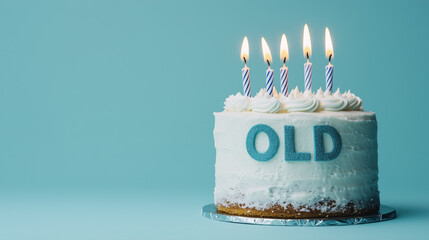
column 277, row 211
column 385, row 213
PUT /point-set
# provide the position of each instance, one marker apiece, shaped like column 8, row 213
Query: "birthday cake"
column 302, row 155
column 295, row 154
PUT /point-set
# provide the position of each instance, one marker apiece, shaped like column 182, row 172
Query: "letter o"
column 273, row 139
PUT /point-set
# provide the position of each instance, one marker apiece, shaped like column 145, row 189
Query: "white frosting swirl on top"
column 264, row 103
column 237, row 103
column 299, row 102
column 353, row 103
column 331, row 102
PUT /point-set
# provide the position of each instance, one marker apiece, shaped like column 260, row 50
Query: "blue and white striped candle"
column 245, row 71
column 284, row 81
column 270, row 72
column 307, row 53
column 270, row 80
column 246, row 81
column 329, row 70
column 284, row 56
column 308, row 68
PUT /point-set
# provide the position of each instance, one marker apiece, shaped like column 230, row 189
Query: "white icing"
column 329, row 101
column 264, row 103
column 352, row 176
column 237, row 103
column 294, row 102
column 299, row 102
column 353, row 103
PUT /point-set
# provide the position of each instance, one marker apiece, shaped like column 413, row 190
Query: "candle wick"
column 268, row 63
column 330, row 56
column 308, row 57
column 284, row 62
column 245, row 61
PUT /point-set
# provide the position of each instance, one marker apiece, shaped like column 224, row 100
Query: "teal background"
column 106, row 109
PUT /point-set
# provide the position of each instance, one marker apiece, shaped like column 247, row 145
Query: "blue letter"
column 290, row 154
column 272, row 137
column 319, row 145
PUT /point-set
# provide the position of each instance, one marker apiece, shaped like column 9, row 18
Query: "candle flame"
column 245, row 49
column 307, row 42
column 284, row 49
column 329, row 49
column 266, row 51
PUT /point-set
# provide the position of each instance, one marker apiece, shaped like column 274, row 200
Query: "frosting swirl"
column 237, row 103
column 264, row 103
column 331, row 102
column 299, row 102
column 353, row 103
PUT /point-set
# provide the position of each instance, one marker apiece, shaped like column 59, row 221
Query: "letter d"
column 319, row 145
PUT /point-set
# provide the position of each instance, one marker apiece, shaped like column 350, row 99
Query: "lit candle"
column 245, row 71
column 307, row 65
column 270, row 72
column 284, row 56
column 329, row 69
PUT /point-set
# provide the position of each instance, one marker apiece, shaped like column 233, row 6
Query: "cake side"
column 346, row 185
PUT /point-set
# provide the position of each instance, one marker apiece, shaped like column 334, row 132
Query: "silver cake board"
column 386, row 213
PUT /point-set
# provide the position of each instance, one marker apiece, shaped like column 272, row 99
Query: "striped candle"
column 284, row 81
column 329, row 70
column 307, row 76
column 246, row 81
column 269, row 81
